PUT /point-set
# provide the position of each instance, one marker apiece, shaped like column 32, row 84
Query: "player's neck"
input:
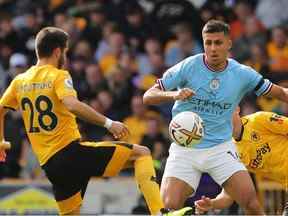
column 238, row 131
column 46, row 61
column 216, row 67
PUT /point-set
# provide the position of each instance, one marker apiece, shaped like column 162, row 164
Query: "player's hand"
column 119, row 130
column 183, row 94
column 4, row 145
column 203, row 205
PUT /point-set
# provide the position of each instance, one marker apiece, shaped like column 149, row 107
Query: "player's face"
column 216, row 46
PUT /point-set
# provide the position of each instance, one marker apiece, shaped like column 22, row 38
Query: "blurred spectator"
column 137, row 121
column 184, row 46
column 277, row 50
column 155, row 140
column 116, row 45
column 103, row 47
column 30, row 168
column 93, row 30
column 121, row 88
column 252, row 34
column 135, row 26
column 83, row 49
column 95, row 81
column 167, row 13
column 77, row 71
column 151, row 45
column 8, row 35
column 243, row 10
column 128, row 63
column 14, row 131
column 271, row 12
column 258, row 59
column 18, row 63
column 105, row 99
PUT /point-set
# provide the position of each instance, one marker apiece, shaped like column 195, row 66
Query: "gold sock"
column 146, row 179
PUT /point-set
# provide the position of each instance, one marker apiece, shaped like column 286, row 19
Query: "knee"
column 172, row 202
column 142, row 151
column 172, row 199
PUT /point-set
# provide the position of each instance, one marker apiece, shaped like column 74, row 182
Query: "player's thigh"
column 222, row 162
column 69, row 182
column 180, row 179
column 240, row 187
column 105, row 158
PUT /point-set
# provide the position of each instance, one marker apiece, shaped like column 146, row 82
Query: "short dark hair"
column 215, row 26
column 48, row 39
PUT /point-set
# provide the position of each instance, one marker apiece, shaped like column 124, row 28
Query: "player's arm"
column 3, row 144
column 88, row 114
column 223, row 200
column 7, row 101
column 155, row 95
column 279, row 93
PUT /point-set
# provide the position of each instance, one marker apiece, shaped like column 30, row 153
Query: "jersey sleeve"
column 256, row 82
column 64, row 85
column 274, row 123
column 172, row 78
column 9, row 99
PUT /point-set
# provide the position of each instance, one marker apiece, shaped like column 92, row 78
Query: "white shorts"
column 188, row 164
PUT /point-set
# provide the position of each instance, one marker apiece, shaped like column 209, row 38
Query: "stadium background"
column 118, row 49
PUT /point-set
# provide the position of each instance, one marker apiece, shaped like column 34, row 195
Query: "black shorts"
column 70, row 169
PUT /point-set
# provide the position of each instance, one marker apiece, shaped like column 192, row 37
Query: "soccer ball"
column 186, row 129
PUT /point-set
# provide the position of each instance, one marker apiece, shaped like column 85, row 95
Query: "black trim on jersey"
column 10, row 108
column 260, row 83
column 127, row 145
column 159, row 81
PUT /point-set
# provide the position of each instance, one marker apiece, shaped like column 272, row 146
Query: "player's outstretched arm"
column 88, row 114
column 279, row 93
column 223, row 200
column 155, row 95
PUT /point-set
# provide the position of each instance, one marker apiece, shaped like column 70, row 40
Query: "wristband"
column 108, row 123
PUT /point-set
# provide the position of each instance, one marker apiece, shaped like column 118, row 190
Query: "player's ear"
column 237, row 109
column 57, row 52
column 229, row 44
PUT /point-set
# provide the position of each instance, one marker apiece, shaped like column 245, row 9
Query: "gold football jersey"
column 38, row 93
column 263, row 146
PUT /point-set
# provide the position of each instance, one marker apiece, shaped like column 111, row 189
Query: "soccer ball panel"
column 186, row 129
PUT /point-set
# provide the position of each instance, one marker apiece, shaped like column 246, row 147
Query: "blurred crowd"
column 120, row 47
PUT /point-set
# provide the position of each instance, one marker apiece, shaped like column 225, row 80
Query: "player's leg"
column 225, row 168
column 124, row 155
column 240, row 187
column 180, row 178
column 69, row 181
column 174, row 192
column 145, row 177
column 108, row 158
